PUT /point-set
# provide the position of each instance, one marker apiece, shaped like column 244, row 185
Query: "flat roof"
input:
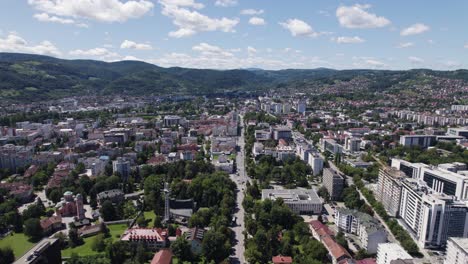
column 292, row 195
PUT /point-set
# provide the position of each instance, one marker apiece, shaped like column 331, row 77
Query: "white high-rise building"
column 389, row 189
column 457, row 251
column 432, row 217
column 387, row 252
column 316, row 162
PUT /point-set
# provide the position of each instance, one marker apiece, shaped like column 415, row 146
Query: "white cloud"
column 347, row 40
column 257, row 21
column 44, row 17
column 251, row 51
column 99, row 53
column 252, row 12
column 415, row 60
column 414, row 29
column 226, row 3
column 128, row 44
column 191, row 22
column 405, row 45
column 183, row 3
column 211, row 50
column 100, row 10
column 15, row 43
column 356, row 16
column 323, row 13
column 298, row 28
column 466, row 46
column 368, row 62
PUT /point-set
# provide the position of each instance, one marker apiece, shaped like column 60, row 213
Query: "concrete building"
column 430, row 217
column 116, row 196
column 458, row 131
column 15, row 157
column 457, row 251
column 334, row 182
column 352, row 144
column 153, row 238
column 389, row 189
column 281, row 132
column 122, row 167
column 301, row 107
column 387, row 252
column 423, row 141
column 316, row 163
column 172, row 120
column 300, row 201
column 328, row 144
column 368, row 229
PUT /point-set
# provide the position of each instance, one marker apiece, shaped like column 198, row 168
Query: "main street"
column 240, row 179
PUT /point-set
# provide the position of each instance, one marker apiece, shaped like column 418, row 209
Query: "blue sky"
column 225, row 34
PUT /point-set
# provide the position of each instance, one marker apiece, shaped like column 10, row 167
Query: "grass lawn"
column 149, row 216
column 85, row 249
column 18, row 242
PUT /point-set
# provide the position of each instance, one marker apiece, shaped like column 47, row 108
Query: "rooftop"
column 292, row 195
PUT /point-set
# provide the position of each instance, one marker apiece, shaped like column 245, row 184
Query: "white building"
column 389, row 189
column 316, row 162
column 300, row 201
column 431, row 217
column 457, row 251
column 367, row 228
column 352, row 144
column 122, row 167
column 387, row 252
column 424, row 141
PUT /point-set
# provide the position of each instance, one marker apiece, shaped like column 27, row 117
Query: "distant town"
column 254, row 178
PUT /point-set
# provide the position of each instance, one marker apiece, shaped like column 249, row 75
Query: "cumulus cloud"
column 211, row 50
column 356, row 16
column 405, row 45
column 257, row 21
column 347, row 40
column 99, row 53
column 415, row 60
column 100, row 10
column 368, row 62
column 128, row 44
column 15, row 43
column 191, row 22
column 252, row 12
column 298, row 28
column 414, row 29
column 251, row 51
column 226, row 3
column 44, row 17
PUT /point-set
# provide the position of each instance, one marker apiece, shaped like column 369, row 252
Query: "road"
column 240, row 179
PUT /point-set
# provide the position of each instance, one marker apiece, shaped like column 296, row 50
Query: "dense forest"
column 25, row 77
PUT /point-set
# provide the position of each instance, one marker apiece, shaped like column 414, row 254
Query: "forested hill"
column 25, row 77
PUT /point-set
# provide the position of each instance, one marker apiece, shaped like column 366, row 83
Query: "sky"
column 231, row 34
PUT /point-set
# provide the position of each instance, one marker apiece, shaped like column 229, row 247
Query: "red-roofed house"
column 154, row 238
column 336, row 252
column 51, row 224
column 319, row 230
column 282, row 260
column 163, row 256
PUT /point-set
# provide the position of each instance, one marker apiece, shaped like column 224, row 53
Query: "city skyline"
column 227, row 34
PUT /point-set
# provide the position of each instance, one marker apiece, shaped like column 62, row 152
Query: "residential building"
column 163, row 256
column 430, row 217
column 153, row 238
column 319, row 230
column 281, row 132
column 369, row 230
column 15, row 157
column 121, row 166
column 316, row 163
column 195, row 238
column 328, row 144
column 352, row 144
column 116, row 196
column 423, row 141
column 334, row 182
column 300, row 201
column 173, row 120
column 389, row 189
column 51, row 224
column 457, row 251
column 387, row 252
column 336, row 252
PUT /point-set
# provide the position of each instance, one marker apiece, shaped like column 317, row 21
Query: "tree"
column 6, row 255
column 181, row 249
column 33, row 229
column 157, row 221
column 108, row 211
column 215, row 246
column 141, row 221
column 74, row 238
column 98, row 244
column 55, row 195
column 323, row 192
